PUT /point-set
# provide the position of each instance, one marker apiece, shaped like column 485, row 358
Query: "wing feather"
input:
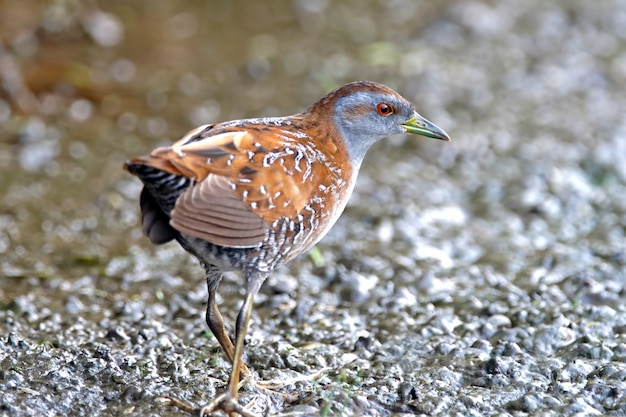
column 241, row 187
column 211, row 211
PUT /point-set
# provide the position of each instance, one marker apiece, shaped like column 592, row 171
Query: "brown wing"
column 211, row 211
column 246, row 179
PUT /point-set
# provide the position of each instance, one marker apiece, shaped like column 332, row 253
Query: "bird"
column 250, row 195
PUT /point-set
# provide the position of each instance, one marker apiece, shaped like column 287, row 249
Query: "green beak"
column 420, row 126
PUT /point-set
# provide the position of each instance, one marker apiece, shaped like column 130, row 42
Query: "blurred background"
column 478, row 277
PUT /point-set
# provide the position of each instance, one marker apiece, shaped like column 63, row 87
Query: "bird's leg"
column 240, row 374
column 215, row 320
column 228, row 401
column 243, row 319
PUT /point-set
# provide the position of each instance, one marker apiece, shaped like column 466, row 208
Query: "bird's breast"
column 327, row 186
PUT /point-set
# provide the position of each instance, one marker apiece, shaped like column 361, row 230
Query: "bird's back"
column 234, row 186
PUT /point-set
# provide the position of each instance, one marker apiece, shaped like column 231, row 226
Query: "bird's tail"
column 158, row 197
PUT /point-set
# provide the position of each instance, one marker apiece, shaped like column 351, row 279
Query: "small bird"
column 250, row 195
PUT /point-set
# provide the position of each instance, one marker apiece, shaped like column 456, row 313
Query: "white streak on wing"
column 309, row 164
column 298, row 159
column 269, row 159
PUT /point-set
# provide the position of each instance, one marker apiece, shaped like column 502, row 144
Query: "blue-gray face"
column 365, row 117
column 372, row 114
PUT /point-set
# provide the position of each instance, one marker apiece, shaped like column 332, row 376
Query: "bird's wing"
column 209, row 210
column 246, row 178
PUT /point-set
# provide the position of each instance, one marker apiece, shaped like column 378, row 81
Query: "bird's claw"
column 228, row 405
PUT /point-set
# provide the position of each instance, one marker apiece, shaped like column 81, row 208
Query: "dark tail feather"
column 155, row 223
column 158, row 197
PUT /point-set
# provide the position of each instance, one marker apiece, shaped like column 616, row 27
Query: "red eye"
column 384, row 109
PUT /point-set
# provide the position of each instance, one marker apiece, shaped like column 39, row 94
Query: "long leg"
column 229, row 401
column 214, row 318
column 243, row 319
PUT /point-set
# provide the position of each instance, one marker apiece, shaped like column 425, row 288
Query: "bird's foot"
column 228, row 405
column 231, row 407
column 223, row 402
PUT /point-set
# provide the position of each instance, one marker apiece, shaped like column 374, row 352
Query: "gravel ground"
column 479, row 277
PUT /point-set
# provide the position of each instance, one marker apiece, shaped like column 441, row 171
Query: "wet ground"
column 479, row 277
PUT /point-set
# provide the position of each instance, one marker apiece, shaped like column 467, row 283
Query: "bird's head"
column 364, row 112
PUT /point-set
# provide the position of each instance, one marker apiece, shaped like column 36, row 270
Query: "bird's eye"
column 384, row 109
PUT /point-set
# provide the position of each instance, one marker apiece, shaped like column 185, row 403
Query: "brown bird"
column 251, row 195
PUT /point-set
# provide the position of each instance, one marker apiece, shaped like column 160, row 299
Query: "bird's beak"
column 420, row 126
